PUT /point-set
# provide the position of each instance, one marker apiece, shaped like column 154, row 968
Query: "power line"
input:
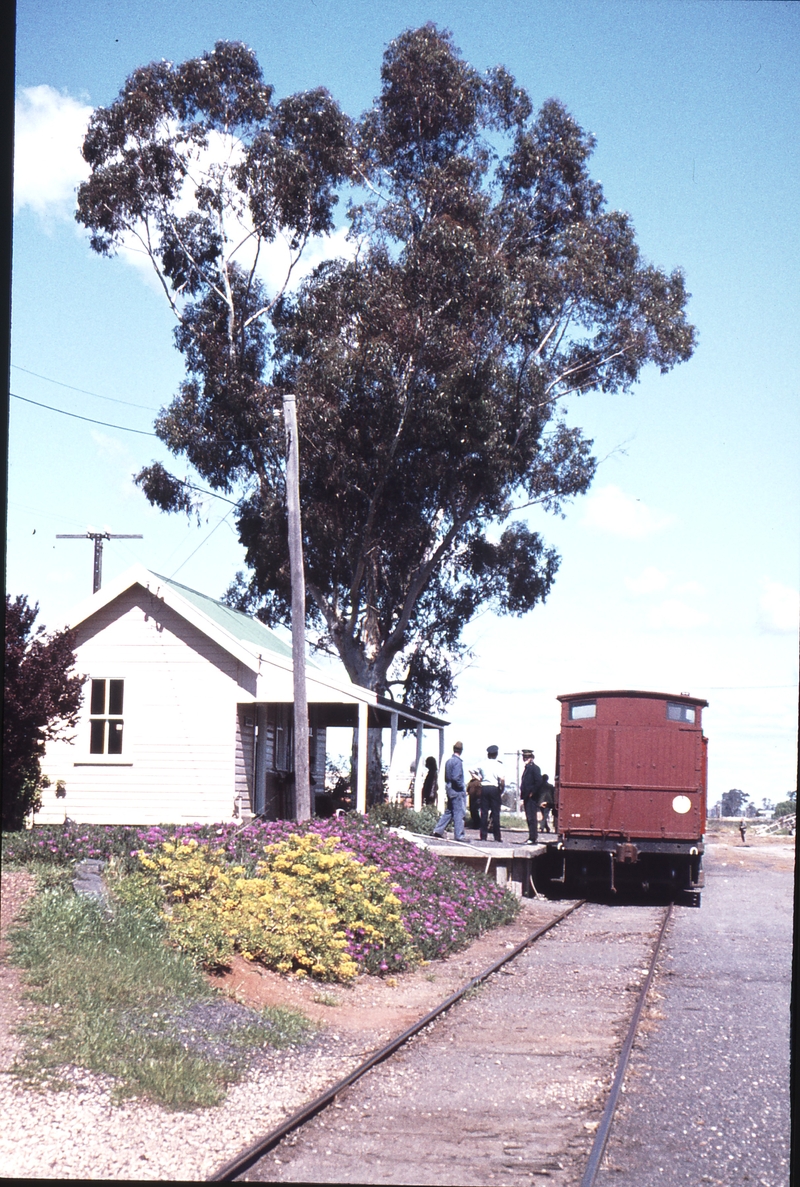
column 124, row 428
column 83, row 390
column 89, row 419
column 212, row 493
column 204, row 540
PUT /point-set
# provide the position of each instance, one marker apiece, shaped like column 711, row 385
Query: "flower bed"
column 443, row 905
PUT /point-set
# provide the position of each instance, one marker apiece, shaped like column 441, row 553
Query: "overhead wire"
column 212, row 494
column 76, row 416
column 123, row 428
column 126, row 429
column 202, row 542
column 83, row 390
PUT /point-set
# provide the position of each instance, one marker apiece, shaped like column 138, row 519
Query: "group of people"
column 483, row 793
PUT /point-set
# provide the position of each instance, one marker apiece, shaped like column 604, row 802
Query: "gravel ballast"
column 81, row 1133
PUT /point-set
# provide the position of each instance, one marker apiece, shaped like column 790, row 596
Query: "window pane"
column 98, row 700
column 115, row 698
column 578, row 711
column 680, row 713
column 115, row 737
column 96, row 743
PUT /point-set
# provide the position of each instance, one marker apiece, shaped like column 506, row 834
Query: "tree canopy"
column 41, row 699
column 486, row 281
column 734, row 802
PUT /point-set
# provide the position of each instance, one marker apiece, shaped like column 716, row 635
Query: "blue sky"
column 680, row 568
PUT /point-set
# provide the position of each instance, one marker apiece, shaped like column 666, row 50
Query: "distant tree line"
column 739, row 803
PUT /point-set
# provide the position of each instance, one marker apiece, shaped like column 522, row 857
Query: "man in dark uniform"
column 530, row 786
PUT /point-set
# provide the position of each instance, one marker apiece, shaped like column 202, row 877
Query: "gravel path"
column 81, row 1134
column 707, row 1091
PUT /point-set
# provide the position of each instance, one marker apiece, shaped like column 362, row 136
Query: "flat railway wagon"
column 631, row 792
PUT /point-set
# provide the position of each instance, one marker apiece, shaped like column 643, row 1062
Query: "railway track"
column 486, row 1088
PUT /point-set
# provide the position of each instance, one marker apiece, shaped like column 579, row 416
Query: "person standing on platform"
column 493, row 781
column 431, row 783
column 547, row 802
column 456, row 793
column 474, row 799
column 530, row 788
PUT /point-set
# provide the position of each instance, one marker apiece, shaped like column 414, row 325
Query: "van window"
column 677, row 712
column 587, row 709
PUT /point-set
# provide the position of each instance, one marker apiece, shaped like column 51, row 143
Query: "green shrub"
column 398, row 816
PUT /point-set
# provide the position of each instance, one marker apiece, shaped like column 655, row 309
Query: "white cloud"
column 611, row 510
column 274, row 261
column 780, row 608
column 650, row 580
column 275, row 258
column 675, row 615
column 48, row 166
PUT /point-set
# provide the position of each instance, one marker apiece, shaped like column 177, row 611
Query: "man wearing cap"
column 492, row 783
column 456, row 793
column 530, row 787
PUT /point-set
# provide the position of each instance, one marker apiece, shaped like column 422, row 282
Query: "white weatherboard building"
column 188, row 713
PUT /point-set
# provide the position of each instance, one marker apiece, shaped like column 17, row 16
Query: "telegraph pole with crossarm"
column 98, row 538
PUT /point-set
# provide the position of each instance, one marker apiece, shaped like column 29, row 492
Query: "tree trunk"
column 376, row 791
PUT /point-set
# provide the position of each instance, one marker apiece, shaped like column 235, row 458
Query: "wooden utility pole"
column 302, row 786
column 98, row 538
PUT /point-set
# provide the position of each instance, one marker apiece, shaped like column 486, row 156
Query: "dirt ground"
column 384, row 1006
column 759, row 850
column 83, row 1133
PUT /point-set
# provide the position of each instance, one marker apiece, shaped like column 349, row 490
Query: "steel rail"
column 601, row 1137
column 244, row 1160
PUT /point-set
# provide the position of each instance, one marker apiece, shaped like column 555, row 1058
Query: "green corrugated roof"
column 241, row 626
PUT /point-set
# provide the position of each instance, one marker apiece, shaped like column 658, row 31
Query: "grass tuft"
column 110, row 996
column 326, row 999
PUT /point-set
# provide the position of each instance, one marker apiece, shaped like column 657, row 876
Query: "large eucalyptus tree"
column 487, row 281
